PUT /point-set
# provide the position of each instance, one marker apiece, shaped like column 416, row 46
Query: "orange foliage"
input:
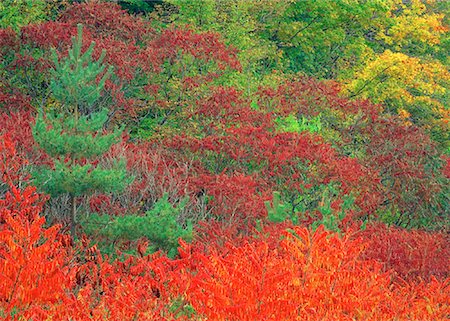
column 310, row 276
column 303, row 275
column 42, row 279
column 33, row 262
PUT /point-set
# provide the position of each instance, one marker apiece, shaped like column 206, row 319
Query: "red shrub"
column 106, row 19
column 308, row 97
column 141, row 288
column 41, row 279
column 8, row 41
column 401, row 164
column 50, row 34
column 12, row 101
column 287, row 162
column 11, row 164
column 17, row 125
column 410, row 169
column 205, row 46
column 412, row 254
column 446, row 167
column 235, row 200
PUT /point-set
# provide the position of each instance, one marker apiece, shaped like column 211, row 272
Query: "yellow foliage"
column 397, row 78
column 411, row 23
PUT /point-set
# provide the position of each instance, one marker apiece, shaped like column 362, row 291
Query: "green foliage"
column 62, row 136
column 391, row 51
column 331, row 218
column 433, row 219
column 159, row 225
column 241, row 24
column 78, row 180
column 291, row 124
column 148, row 128
column 321, row 37
column 181, row 308
column 139, row 6
column 17, row 13
column 76, row 141
column 277, row 211
column 74, row 84
column 74, row 81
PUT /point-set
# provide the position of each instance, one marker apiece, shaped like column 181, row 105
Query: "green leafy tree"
column 76, row 138
column 15, row 13
column 242, row 24
column 18, row 13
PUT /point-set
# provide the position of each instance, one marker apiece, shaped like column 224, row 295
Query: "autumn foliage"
column 303, row 275
column 296, row 198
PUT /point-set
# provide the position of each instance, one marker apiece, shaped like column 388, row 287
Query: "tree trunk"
column 72, row 216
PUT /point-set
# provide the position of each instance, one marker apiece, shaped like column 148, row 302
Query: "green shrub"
column 159, row 225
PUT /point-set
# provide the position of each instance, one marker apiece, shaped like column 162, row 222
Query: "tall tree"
column 76, row 138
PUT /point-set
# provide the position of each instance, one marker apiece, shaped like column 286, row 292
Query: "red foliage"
column 137, row 288
column 50, row 34
column 136, row 52
column 41, row 279
column 446, row 167
column 156, row 170
column 401, row 162
column 240, row 267
column 8, row 41
column 12, row 100
column 412, row 254
column 308, row 97
column 17, row 126
column 409, row 166
column 306, row 275
column 205, row 46
column 225, row 107
column 102, row 203
column 105, row 19
column 11, row 164
column 287, row 162
column 235, row 200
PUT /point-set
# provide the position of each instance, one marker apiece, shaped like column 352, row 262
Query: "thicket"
column 226, row 160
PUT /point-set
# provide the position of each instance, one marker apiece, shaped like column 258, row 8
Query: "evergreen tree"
column 74, row 79
column 76, row 137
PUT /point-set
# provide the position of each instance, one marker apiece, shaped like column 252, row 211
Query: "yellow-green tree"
column 411, row 75
column 393, row 52
column 242, row 25
column 18, row 13
column 413, row 88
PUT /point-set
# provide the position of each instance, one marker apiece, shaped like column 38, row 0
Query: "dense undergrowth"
column 224, row 161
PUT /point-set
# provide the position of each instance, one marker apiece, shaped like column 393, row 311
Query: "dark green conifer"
column 76, row 137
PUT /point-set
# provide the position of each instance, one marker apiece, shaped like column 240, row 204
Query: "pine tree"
column 75, row 138
column 74, row 78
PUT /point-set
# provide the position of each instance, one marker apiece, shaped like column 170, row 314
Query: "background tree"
column 75, row 138
column 241, row 24
column 392, row 52
column 15, row 14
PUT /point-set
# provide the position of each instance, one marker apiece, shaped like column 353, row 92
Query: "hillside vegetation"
column 224, row 160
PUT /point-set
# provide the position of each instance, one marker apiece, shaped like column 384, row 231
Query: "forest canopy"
column 224, row 160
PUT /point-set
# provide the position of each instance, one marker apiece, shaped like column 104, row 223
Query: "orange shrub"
column 309, row 276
